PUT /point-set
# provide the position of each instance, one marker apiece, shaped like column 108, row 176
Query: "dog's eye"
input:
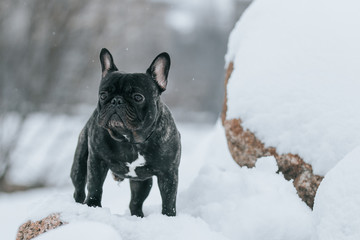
column 103, row 95
column 138, row 97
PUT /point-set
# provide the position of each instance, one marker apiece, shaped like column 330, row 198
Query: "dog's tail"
column 79, row 168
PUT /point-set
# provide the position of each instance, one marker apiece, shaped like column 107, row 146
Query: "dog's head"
column 128, row 102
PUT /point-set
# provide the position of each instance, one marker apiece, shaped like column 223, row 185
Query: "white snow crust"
column 296, row 78
column 337, row 202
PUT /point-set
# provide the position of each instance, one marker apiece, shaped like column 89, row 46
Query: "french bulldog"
column 131, row 133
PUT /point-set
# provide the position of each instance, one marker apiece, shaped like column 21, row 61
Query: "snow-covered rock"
column 295, row 85
column 337, row 202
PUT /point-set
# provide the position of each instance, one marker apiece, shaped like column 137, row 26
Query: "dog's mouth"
column 122, row 124
column 119, row 119
column 115, row 121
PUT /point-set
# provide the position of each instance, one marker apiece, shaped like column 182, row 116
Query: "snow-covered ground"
column 216, row 200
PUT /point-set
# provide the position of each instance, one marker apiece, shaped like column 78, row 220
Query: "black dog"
column 131, row 133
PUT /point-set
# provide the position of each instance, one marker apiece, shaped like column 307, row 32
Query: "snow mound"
column 247, row 204
column 337, row 203
column 81, row 230
column 296, row 77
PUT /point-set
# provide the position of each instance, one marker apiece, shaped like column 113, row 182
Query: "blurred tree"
column 49, row 49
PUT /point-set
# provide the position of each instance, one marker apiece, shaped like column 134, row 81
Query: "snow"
column 81, row 230
column 296, row 77
column 45, row 149
column 15, row 208
column 267, row 164
column 216, row 200
column 337, row 203
column 238, row 204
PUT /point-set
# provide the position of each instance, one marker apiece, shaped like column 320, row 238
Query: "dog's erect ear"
column 159, row 70
column 107, row 62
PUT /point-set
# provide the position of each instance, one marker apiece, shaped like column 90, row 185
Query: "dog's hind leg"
column 79, row 167
column 139, row 192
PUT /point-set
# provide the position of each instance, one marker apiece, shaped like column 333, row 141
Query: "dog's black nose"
column 117, row 101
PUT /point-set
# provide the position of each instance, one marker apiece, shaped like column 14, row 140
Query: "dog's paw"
column 79, row 197
column 137, row 213
column 169, row 212
column 93, row 202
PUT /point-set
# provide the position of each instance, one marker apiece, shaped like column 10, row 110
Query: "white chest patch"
column 132, row 166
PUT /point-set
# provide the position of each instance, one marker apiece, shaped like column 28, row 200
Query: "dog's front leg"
column 168, row 183
column 97, row 170
column 139, row 192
